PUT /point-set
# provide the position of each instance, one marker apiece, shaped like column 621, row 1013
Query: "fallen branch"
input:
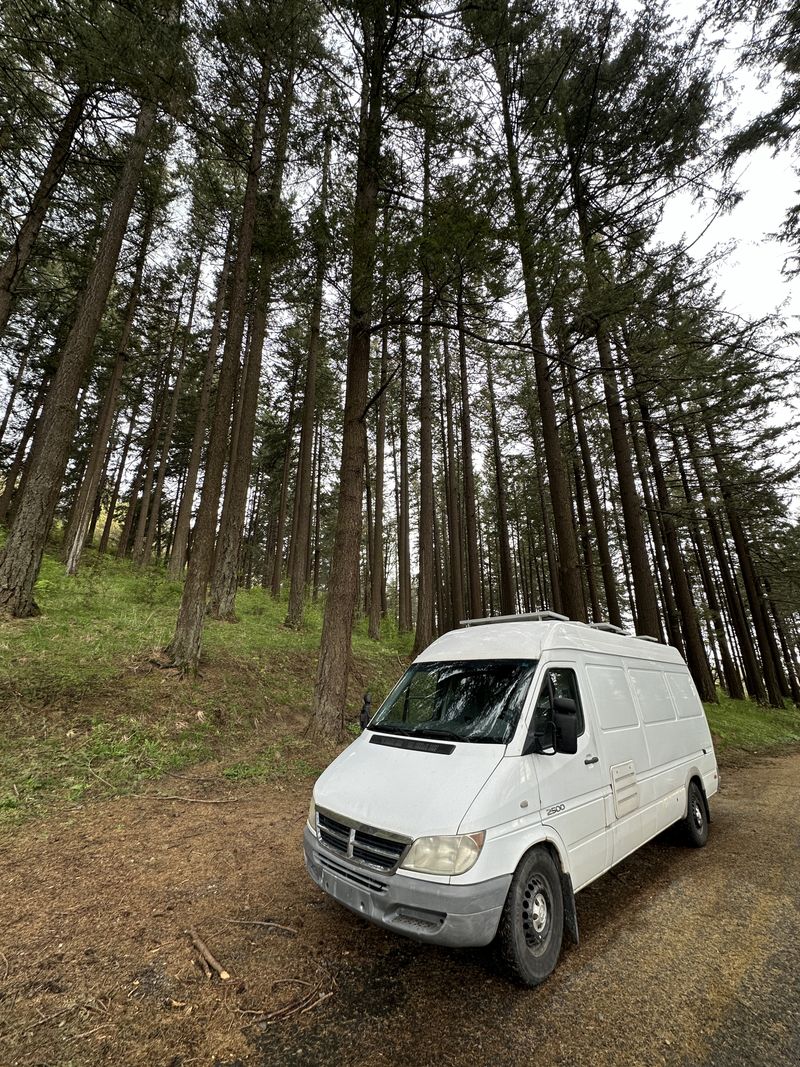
column 186, row 800
column 210, row 959
column 257, row 922
column 46, row 1019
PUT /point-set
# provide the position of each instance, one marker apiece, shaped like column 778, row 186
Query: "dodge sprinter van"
column 516, row 761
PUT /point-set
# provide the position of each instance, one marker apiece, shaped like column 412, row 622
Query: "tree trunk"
column 695, row 650
column 776, row 685
column 453, row 503
column 404, row 517
column 508, row 599
column 330, row 694
column 155, row 511
column 112, row 504
column 13, row 267
column 184, row 649
column 180, row 539
column 376, row 576
column 225, row 577
column 474, row 590
column 75, row 538
column 425, row 594
column 18, row 377
column 22, row 554
column 17, row 464
column 301, row 538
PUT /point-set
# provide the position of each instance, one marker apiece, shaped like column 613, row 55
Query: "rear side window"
column 564, row 684
column 683, row 693
column 651, row 690
column 612, row 697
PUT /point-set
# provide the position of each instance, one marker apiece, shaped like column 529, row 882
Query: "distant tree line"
column 368, row 302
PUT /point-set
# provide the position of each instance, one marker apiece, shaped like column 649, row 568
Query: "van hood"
column 404, row 791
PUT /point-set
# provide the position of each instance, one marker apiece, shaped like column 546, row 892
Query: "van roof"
column 521, row 638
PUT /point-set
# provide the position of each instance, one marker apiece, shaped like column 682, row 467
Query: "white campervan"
column 517, row 760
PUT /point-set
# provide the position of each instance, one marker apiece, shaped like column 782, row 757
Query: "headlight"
column 312, row 815
column 444, row 855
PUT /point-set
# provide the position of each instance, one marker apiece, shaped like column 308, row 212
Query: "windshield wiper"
column 388, row 729
column 447, row 735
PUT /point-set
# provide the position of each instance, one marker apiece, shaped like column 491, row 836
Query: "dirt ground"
column 686, row 957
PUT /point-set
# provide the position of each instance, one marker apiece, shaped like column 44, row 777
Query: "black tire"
column 532, row 925
column 695, row 824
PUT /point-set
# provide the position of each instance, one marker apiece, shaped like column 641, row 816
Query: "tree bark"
column 75, row 538
column 22, row 554
column 184, row 649
column 474, row 586
column 13, row 267
column 453, row 503
column 225, row 577
column 180, row 539
column 404, row 516
column 376, row 575
column 508, row 599
column 112, row 504
column 330, row 694
column 301, row 538
column 425, row 593
column 572, row 602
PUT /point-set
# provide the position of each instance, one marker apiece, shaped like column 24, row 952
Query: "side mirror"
column 565, row 720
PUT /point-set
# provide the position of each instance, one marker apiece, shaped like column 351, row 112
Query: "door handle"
column 591, row 759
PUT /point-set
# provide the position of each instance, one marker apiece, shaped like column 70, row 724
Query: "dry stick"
column 7, row 967
column 46, row 1019
column 186, row 800
column 204, row 966
column 207, row 955
column 256, row 922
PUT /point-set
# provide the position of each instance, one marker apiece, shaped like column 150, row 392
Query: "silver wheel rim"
column 536, row 915
column 697, row 813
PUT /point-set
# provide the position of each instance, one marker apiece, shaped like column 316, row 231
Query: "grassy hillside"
column 86, row 710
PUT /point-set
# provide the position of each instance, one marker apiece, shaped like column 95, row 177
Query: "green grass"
column 85, row 712
column 743, row 725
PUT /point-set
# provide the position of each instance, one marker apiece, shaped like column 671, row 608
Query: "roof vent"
column 534, row 616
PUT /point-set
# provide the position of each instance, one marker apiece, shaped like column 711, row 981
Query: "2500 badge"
column 556, row 809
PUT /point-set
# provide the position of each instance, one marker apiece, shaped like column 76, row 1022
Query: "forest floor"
column 136, row 806
column 686, row 957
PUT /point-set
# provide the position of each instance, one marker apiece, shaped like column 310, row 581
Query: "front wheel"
column 696, row 822
column 532, row 925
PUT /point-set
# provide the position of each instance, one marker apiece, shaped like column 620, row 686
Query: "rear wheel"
column 696, row 821
column 532, row 925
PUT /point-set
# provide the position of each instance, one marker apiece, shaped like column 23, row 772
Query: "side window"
column 561, row 681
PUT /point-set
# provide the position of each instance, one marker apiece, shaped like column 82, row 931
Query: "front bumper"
column 455, row 915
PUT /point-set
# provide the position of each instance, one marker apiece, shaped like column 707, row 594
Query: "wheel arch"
column 554, row 846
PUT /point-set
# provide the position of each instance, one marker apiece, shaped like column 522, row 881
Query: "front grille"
column 381, row 853
column 363, row 881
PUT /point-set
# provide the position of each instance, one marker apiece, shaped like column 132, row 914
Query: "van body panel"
column 403, row 791
column 644, row 737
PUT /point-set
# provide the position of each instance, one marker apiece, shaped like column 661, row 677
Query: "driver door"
column 573, row 788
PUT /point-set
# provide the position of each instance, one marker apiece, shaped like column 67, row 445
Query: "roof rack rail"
column 647, row 637
column 533, row 616
column 607, row 627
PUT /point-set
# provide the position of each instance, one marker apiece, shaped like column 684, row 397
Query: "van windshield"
column 468, row 700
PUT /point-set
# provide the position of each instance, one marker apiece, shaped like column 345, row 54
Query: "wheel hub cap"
column 539, row 913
